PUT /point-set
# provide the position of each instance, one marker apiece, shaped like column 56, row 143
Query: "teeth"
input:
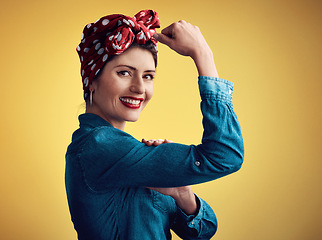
column 130, row 101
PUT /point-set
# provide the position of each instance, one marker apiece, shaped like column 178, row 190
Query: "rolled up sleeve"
column 203, row 225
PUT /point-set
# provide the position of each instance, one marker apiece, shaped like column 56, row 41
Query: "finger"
column 148, row 142
column 162, row 38
column 158, row 142
column 168, row 31
column 182, row 22
column 155, row 142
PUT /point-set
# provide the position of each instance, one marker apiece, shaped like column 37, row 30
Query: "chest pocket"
column 163, row 203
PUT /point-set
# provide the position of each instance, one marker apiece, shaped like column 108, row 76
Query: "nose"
column 137, row 85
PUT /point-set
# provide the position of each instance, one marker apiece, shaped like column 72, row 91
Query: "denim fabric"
column 107, row 172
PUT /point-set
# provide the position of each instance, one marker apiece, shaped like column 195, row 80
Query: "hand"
column 155, row 142
column 184, row 197
column 186, row 39
column 174, row 192
column 183, row 37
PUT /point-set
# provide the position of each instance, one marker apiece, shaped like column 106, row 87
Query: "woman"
column 118, row 187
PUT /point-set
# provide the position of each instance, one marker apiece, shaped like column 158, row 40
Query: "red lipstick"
column 131, row 102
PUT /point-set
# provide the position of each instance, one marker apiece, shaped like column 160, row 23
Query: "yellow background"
column 271, row 50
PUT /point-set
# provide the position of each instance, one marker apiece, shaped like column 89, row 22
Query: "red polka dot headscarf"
column 112, row 35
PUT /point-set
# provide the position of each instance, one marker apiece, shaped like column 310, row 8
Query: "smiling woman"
column 124, row 87
column 118, row 187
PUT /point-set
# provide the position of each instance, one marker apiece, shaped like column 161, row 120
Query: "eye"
column 124, row 73
column 149, row 77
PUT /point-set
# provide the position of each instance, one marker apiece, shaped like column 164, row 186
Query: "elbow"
column 232, row 160
column 237, row 164
column 237, row 160
column 230, row 165
column 227, row 164
column 234, row 147
column 241, row 155
column 235, row 152
column 224, row 158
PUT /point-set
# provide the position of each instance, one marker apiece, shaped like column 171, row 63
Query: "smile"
column 131, row 102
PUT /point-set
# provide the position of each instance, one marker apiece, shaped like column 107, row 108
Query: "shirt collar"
column 92, row 120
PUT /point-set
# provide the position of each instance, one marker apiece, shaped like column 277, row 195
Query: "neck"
column 116, row 124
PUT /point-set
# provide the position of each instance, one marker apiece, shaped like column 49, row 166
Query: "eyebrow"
column 133, row 68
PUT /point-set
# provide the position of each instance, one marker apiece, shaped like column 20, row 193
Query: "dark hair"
column 150, row 47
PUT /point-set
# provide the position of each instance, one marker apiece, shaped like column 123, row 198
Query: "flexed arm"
column 127, row 162
column 187, row 40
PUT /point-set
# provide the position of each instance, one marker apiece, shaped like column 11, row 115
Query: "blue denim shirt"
column 107, row 172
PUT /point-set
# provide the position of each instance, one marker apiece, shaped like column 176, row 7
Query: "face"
column 124, row 87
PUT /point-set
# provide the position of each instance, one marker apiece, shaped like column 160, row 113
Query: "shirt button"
column 197, row 163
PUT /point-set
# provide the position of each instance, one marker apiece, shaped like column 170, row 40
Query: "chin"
column 132, row 119
column 132, row 116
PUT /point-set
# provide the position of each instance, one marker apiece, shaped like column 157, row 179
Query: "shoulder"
column 105, row 135
column 105, row 142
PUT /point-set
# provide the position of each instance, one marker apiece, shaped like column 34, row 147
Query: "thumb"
column 162, row 38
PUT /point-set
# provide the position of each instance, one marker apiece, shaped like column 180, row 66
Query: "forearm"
column 204, row 62
column 186, row 201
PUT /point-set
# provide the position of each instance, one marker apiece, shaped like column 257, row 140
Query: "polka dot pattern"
column 105, row 58
column 112, row 35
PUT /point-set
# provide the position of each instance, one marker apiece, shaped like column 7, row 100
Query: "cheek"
column 149, row 92
column 112, row 89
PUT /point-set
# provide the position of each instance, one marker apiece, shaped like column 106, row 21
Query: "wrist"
column 204, row 62
column 186, row 201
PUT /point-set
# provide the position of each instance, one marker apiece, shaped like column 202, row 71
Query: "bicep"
column 129, row 163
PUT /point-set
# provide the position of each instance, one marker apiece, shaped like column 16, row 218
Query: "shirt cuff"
column 215, row 88
column 193, row 221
